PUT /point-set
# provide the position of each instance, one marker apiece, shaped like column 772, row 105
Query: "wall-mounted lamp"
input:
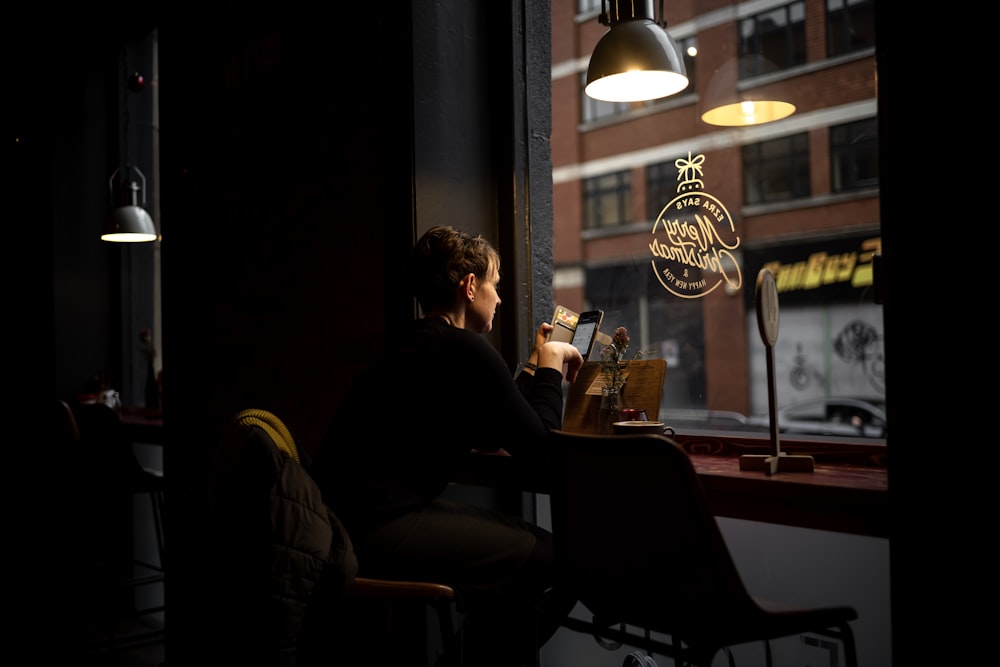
column 727, row 105
column 129, row 221
column 636, row 60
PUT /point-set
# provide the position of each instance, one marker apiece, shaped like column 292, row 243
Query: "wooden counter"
column 849, row 497
column 839, row 497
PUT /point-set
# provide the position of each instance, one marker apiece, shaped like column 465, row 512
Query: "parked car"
column 690, row 419
column 836, row 415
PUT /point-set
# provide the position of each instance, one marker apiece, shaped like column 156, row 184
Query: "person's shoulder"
column 435, row 329
column 431, row 340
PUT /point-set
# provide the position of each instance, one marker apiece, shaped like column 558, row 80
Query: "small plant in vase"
column 614, row 376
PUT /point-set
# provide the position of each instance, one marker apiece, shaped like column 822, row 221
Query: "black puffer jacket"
column 285, row 560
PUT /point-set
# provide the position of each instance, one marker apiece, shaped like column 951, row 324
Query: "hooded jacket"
column 283, row 559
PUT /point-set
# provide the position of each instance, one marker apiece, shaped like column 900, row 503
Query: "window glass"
column 850, row 25
column 661, row 184
column 671, row 329
column 776, row 170
column 773, row 39
column 664, row 222
column 854, row 155
column 607, row 200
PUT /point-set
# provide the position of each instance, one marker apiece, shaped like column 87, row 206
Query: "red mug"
column 633, row 415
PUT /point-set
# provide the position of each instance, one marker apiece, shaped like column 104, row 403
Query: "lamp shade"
column 636, row 59
column 129, row 223
column 745, row 112
column 727, row 105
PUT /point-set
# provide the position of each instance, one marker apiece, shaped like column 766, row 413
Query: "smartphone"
column 587, row 326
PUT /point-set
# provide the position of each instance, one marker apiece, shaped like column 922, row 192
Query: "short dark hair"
column 441, row 258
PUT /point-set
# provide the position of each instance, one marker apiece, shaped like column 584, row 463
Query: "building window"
column 773, row 40
column 854, row 156
column 850, row 26
column 661, row 187
column 607, row 200
column 776, row 170
column 587, row 6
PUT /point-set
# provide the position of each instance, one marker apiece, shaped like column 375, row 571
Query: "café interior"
column 284, row 172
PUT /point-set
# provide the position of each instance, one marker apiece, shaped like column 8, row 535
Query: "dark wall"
column 286, row 210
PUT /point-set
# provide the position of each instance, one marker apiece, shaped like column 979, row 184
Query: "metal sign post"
column 767, row 322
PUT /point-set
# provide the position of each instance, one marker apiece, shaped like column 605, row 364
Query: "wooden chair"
column 634, row 535
column 300, row 550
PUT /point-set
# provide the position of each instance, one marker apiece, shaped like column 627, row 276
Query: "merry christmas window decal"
column 694, row 242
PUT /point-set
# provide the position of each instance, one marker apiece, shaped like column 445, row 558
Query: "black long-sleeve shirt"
column 442, row 391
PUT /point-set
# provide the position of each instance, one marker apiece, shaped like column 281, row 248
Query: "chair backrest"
column 282, row 555
column 671, row 570
column 289, row 562
column 583, row 399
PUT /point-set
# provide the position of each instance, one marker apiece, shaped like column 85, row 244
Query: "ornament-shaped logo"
column 694, row 239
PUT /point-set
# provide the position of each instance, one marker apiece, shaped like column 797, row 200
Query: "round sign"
column 767, row 307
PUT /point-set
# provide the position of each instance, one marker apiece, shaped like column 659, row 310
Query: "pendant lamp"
column 129, row 222
column 636, row 60
column 727, row 103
